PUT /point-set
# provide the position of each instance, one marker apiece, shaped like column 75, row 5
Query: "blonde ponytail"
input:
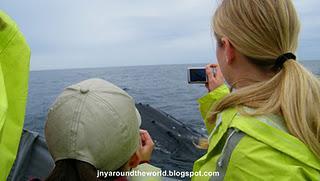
column 300, row 102
column 262, row 31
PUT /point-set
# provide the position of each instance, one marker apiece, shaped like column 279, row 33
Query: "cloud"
column 309, row 36
column 66, row 34
column 84, row 33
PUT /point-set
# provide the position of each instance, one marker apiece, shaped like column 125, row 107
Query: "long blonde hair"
column 262, row 30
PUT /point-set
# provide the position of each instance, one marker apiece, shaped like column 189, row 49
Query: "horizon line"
column 115, row 66
column 118, row 66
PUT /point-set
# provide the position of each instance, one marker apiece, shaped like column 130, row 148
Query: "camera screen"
column 198, row 75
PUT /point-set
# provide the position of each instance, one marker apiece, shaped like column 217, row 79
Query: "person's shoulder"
column 259, row 161
column 146, row 172
column 147, row 168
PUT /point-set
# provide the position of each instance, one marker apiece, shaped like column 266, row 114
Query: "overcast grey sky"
column 99, row 33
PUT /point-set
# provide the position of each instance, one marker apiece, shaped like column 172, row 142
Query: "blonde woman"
column 266, row 124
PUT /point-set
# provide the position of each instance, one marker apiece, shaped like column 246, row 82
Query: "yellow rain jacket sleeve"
column 207, row 101
column 14, row 75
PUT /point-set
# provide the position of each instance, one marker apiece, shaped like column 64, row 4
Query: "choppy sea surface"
column 163, row 87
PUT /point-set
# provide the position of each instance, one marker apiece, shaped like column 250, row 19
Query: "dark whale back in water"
column 174, row 141
column 174, row 149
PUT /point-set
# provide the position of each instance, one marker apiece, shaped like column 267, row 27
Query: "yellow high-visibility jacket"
column 258, row 148
column 14, row 75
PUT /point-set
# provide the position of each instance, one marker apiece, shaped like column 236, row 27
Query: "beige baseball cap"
column 96, row 122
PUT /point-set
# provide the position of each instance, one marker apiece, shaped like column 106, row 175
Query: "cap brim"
column 138, row 117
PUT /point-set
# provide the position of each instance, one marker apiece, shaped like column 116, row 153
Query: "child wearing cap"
column 93, row 128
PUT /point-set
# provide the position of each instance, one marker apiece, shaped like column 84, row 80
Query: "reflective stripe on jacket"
column 266, row 151
column 14, row 75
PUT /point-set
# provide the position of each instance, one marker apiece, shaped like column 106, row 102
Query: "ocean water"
column 163, row 87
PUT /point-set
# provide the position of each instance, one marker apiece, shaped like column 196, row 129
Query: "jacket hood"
column 14, row 76
column 14, row 67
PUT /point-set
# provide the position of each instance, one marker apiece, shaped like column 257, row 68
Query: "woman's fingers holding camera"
column 209, row 72
column 215, row 79
column 213, row 65
column 210, row 77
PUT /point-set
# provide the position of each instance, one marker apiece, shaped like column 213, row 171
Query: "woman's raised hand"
column 214, row 79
